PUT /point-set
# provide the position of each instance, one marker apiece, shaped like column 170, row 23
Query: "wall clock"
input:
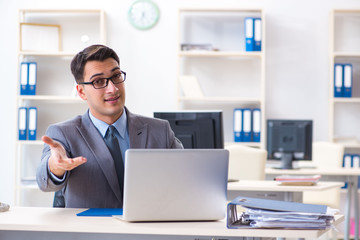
column 143, row 14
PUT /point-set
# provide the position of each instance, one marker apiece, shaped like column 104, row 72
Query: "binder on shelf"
column 347, row 80
column 256, row 124
column 32, row 126
column 28, row 76
column 23, row 78
column 257, row 34
column 32, row 78
column 347, row 161
column 238, row 125
column 356, row 161
column 247, row 124
column 338, row 80
column 22, row 122
column 249, row 34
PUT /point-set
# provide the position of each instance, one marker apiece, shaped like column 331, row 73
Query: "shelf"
column 27, row 142
column 346, row 100
column 219, row 54
column 346, row 54
column 221, row 99
column 56, row 99
column 47, row 54
column 61, row 10
column 50, row 98
column 249, row 144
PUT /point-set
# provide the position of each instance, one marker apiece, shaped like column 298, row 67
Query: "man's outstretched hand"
column 59, row 163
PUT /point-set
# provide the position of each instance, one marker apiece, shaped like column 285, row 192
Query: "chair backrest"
column 327, row 155
column 246, row 163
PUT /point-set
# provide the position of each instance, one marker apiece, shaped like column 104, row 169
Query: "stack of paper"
column 264, row 213
column 298, row 180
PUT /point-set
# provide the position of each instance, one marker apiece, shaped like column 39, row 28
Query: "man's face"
column 106, row 104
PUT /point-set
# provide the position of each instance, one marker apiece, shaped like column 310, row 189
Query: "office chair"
column 326, row 155
column 246, row 163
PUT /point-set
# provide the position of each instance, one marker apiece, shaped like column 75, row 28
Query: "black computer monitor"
column 196, row 129
column 289, row 140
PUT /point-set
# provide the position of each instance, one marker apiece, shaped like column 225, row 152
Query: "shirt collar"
column 120, row 124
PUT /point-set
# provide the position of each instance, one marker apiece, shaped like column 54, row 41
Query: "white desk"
column 271, row 189
column 341, row 174
column 62, row 223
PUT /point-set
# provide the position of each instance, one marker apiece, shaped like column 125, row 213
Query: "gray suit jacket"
column 94, row 184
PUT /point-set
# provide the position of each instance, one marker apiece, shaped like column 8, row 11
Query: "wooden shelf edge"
column 220, row 100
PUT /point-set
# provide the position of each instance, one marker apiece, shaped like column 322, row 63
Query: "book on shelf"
column 197, row 47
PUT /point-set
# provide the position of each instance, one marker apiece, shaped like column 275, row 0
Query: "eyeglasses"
column 104, row 82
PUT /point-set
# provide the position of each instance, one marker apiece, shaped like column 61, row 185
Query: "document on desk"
column 244, row 212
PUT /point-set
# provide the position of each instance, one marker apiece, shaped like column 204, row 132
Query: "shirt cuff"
column 54, row 178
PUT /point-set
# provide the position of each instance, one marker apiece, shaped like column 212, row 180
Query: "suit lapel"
column 138, row 131
column 101, row 153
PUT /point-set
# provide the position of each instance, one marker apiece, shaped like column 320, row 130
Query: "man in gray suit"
column 76, row 160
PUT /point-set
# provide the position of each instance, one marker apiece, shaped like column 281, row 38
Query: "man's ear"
column 81, row 91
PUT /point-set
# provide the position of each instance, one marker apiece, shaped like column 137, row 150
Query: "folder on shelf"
column 256, row 124
column 22, row 122
column 347, row 161
column 247, row 124
column 28, row 75
column 257, row 34
column 23, row 78
column 32, row 123
column 249, row 34
column 356, row 161
column 32, row 78
column 338, row 80
column 347, row 82
column 238, row 125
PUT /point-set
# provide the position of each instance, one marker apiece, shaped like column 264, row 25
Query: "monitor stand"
column 287, row 161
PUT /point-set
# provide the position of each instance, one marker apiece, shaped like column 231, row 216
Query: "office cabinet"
column 214, row 69
column 48, row 39
column 344, row 110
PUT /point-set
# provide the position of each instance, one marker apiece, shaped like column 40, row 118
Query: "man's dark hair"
column 91, row 53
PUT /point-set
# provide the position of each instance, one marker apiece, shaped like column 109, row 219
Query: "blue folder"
column 100, row 212
column 247, row 124
column 256, row 124
column 257, row 34
column 32, row 123
column 347, row 80
column 22, row 123
column 338, row 80
column 238, row 125
column 249, row 34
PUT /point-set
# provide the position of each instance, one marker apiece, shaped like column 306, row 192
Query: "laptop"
column 175, row 185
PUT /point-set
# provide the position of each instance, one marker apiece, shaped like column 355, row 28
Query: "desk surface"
column 246, row 185
column 313, row 171
column 65, row 220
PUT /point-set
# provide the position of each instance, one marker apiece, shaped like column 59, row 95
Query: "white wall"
column 297, row 70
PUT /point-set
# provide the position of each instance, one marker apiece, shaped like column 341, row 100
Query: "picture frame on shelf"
column 40, row 37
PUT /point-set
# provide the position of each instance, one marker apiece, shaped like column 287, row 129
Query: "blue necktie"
column 114, row 147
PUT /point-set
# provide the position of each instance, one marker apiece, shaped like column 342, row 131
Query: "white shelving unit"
column 55, row 97
column 229, row 76
column 344, row 113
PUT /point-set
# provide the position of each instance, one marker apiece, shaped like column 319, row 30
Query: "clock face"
column 143, row 14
